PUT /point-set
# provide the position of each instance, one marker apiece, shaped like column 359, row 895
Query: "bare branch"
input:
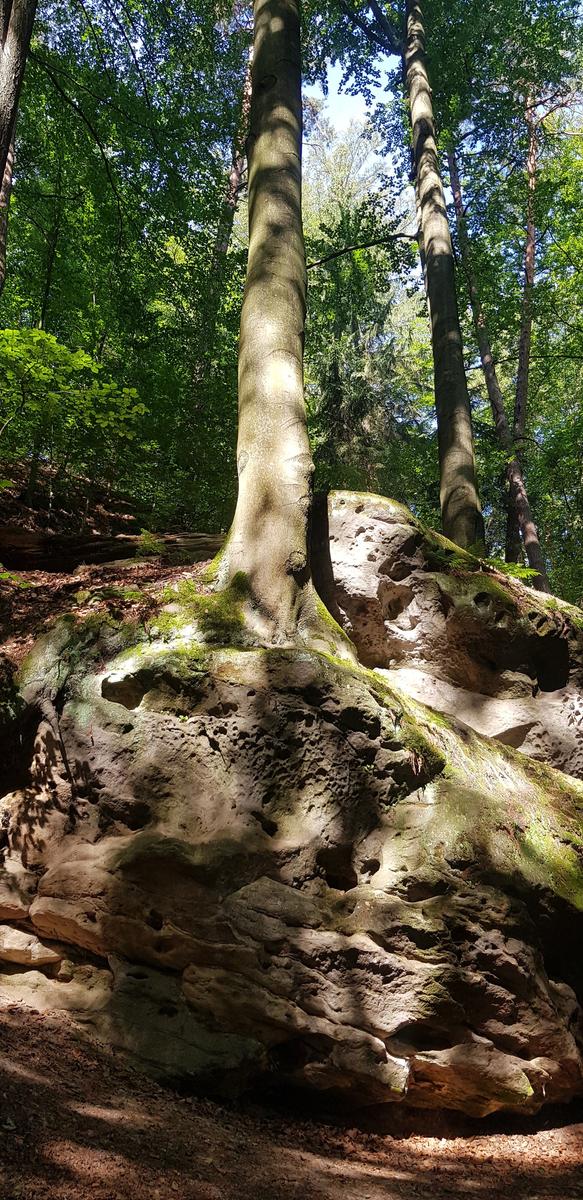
column 393, row 237
column 383, row 22
column 369, row 31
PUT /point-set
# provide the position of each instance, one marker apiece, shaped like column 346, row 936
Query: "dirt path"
column 76, row 1123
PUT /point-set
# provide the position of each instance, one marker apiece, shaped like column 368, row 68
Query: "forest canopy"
column 123, row 253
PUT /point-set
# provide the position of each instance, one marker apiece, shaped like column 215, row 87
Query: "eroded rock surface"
column 264, row 867
column 460, row 636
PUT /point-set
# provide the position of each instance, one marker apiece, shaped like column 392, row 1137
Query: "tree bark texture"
column 5, row 194
column 235, row 184
column 460, row 505
column 268, row 539
column 522, row 377
column 523, row 373
column 520, row 519
column 16, row 22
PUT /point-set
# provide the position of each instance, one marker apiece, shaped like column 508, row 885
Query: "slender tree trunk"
column 16, row 22
column 235, row 184
column 513, row 541
column 460, row 505
column 5, row 194
column 525, row 338
column 235, row 180
column 52, row 245
column 520, row 520
column 522, row 378
column 51, row 257
column 216, row 282
column 29, row 493
column 268, row 539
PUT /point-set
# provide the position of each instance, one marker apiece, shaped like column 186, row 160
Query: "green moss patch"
column 218, row 618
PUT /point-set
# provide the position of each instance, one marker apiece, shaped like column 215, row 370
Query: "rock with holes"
column 266, row 868
column 452, row 631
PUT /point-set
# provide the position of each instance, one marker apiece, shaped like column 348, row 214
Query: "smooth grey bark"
column 268, row 542
column 16, row 22
column 5, row 194
column 460, row 504
column 520, row 521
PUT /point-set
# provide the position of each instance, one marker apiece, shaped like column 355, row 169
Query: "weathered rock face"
column 467, row 640
column 252, row 866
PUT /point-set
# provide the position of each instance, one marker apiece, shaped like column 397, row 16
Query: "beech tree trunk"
column 16, row 22
column 520, row 520
column 268, row 538
column 5, row 194
column 460, row 505
column 524, row 343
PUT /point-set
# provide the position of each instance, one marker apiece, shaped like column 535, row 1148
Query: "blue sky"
column 340, row 108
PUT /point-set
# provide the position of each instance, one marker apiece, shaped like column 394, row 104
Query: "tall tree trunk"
column 5, row 194
column 268, row 539
column 460, row 505
column 525, row 338
column 513, row 541
column 235, row 184
column 520, row 520
column 52, row 245
column 236, row 173
column 16, row 22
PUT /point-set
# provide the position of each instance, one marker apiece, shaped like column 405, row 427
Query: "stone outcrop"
column 454, row 632
column 269, row 868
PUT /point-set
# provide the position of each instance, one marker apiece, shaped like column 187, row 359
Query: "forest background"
column 123, row 256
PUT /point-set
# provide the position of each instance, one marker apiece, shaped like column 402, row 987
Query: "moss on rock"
column 218, row 618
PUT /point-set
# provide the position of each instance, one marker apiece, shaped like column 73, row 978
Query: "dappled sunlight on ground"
column 76, row 1123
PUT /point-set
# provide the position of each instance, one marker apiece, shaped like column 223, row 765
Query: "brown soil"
column 30, row 606
column 86, row 508
column 77, row 1123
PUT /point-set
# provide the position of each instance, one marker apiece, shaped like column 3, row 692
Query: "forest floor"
column 29, row 607
column 78, row 1123
column 87, row 507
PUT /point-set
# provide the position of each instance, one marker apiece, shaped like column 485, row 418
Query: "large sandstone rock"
column 454, row 632
column 18, row 946
column 268, row 867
